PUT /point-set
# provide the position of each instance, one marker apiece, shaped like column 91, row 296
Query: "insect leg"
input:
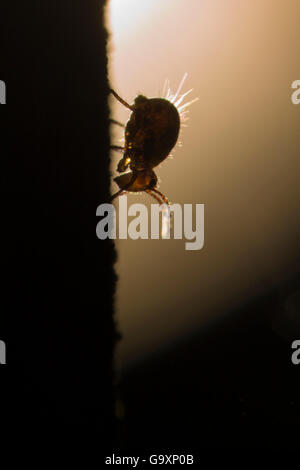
column 165, row 230
column 126, row 186
column 164, row 198
column 149, row 191
column 121, row 100
column 118, row 193
column 113, row 121
column 117, row 147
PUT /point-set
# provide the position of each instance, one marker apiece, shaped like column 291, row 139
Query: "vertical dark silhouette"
column 58, row 279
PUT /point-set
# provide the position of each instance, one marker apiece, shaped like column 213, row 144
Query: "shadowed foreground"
column 231, row 386
column 58, row 278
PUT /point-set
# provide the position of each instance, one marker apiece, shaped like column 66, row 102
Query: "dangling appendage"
column 161, row 199
column 113, row 121
column 124, row 188
column 118, row 193
column 121, row 100
column 118, row 148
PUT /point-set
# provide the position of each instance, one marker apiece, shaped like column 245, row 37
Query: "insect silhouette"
column 150, row 134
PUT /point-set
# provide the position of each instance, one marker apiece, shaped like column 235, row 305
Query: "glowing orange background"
column 240, row 157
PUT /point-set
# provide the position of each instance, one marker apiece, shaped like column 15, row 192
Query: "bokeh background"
column 239, row 157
